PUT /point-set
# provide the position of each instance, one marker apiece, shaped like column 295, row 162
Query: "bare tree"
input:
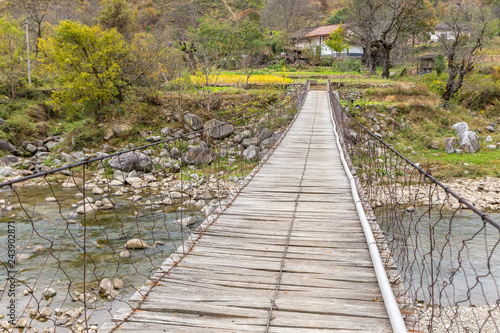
column 291, row 15
column 380, row 24
column 472, row 27
column 36, row 11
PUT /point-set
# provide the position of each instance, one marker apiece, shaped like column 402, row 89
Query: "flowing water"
column 52, row 239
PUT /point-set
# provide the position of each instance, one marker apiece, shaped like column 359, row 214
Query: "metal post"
column 28, row 52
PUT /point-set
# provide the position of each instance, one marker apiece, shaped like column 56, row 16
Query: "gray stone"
column 238, row 138
column 246, row 134
column 198, row 155
column 166, row 131
column 154, row 138
column 488, row 139
column 78, row 155
column 118, row 283
column 8, row 160
column 469, row 142
column 434, row 144
column 67, row 158
column 223, row 153
column 251, row 142
column 105, row 286
column 136, row 244
column 263, row 134
column 116, row 129
column 132, row 161
column 175, row 153
column 49, row 293
column 45, row 312
column 492, row 147
column 269, row 142
column 5, row 171
column 251, row 153
column 4, row 145
column 460, row 129
column 193, row 121
column 450, row 145
column 31, row 148
column 263, row 153
column 51, row 144
column 86, row 209
column 490, row 128
column 217, row 129
column 105, row 148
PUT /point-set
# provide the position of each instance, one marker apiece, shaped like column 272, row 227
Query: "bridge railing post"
column 328, row 85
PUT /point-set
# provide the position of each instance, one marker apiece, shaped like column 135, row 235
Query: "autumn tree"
column 11, row 50
column 117, row 14
column 249, row 43
column 380, row 24
column 291, row 15
column 87, row 62
column 472, row 27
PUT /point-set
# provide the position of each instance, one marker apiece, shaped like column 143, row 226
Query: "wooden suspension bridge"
column 289, row 254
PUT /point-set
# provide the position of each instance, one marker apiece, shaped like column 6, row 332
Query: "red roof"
column 321, row 31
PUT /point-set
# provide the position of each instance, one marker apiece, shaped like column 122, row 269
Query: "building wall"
column 325, row 50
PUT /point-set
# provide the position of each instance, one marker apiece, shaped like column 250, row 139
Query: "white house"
column 442, row 31
column 312, row 37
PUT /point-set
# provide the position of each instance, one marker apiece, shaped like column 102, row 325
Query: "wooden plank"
column 226, row 283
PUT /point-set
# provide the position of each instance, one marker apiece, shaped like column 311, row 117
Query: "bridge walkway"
column 291, row 241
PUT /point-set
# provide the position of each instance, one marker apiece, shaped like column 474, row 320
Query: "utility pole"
column 28, row 51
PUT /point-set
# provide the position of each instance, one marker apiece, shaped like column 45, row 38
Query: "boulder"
column 469, row 142
column 460, row 129
column 86, row 209
column 6, row 171
column 67, row 157
column 132, row 161
column 166, row 131
column 251, row 142
column 198, row 155
column 78, row 155
column 217, row 129
column 105, row 148
column 4, row 145
column 450, row 145
column 175, row 153
column 51, row 144
column 154, row 138
column 263, row 134
column 136, row 244
column 8, row 160
column 434, row 144
column 193, row 121
column 490, row 128
column 492, row 147
column 105, row 286
column 269, row 142
column 251, row 153
column 31, row 148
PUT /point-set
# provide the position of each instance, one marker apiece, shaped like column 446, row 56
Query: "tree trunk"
column 12, row 87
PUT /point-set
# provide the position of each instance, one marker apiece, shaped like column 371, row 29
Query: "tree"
column 337, row 41
column 11, row 50
column 87, row 61
column 117, row 14
column 379, row 24
column 339, row 17
column 291, row 15
column 36, row 11
column 249, row 41
column 439, row 64
column 472, row 28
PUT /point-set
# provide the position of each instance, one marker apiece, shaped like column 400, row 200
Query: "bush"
column 439, row 64
column 347, row 65
column 479, row 91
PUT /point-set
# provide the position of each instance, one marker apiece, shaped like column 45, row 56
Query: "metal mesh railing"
column 442, row 253
column 78, row 241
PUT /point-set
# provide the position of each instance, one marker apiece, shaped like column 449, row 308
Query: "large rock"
column 8, row 160
column 469, row 142
column 251, row 153
column 199, row 155
column 217, row 129
column 4, row 145
column 263, row 133
column 450, row 145
column 460, row 128
column 166, row 131
column 255, row 141
column 136, row 244
column 269, row 142
column 193, row 121
column 132, row 161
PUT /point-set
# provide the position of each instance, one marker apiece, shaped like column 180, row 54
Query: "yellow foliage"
column 237, row 80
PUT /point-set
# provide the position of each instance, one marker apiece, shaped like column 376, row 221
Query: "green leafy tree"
column 11, row 50
column 249, row 40
column 339, row 17
column 87, row 62
column 337, row 41
column 439, row 64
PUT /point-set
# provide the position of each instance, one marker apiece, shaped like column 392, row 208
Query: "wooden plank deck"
column 300, row 197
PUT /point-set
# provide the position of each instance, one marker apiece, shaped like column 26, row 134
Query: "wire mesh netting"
column 441, row 252
column 79, row 241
